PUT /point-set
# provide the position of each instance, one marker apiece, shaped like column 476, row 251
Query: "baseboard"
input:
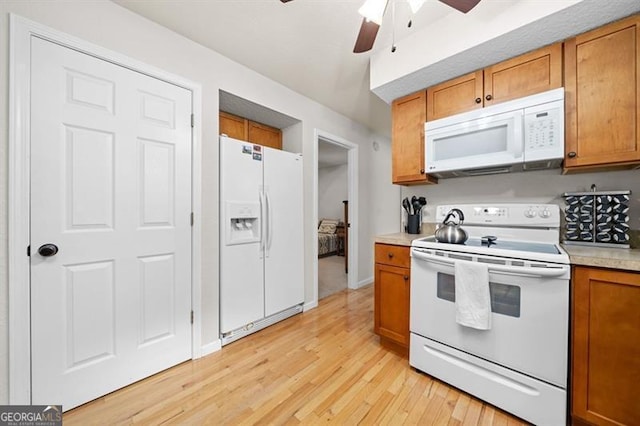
column 310, row 305
column 365, row 282
column 212, row 347
column 253, row 327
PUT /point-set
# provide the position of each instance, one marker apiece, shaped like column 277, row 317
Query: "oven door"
column 530, row 308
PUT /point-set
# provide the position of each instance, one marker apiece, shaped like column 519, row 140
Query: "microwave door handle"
column 514, row 270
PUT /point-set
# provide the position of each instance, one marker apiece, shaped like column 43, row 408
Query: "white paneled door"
column 111, row 190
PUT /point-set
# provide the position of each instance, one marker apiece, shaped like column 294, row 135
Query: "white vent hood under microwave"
column 523, row 134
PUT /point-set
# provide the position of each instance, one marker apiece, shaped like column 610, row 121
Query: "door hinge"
column 192, row 219
column 191, row 317
column 193, row 119
column 29, row 251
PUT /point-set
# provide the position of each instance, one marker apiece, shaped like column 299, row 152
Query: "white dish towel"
column 473, row 299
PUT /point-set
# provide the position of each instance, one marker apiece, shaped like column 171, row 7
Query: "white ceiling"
column 307, row 45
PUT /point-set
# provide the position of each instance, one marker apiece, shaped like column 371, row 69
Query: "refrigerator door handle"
column 269, row 223
column 263, row 226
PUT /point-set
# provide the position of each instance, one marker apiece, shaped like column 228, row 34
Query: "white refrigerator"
column 261, row 237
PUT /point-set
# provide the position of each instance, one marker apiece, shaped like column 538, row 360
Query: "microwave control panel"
column 543, row 127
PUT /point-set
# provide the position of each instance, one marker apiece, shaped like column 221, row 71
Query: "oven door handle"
column 516, row 270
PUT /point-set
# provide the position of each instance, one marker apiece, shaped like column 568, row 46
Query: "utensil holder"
column 413, row 223
column 598, row 218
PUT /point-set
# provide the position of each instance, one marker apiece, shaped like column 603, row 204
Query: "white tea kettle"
column 451, row 232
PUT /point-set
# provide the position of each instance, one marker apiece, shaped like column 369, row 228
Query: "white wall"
column 332, row 190
column 544, row 186
column 112, row 27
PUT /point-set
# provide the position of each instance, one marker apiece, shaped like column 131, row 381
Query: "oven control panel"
column 535, row 215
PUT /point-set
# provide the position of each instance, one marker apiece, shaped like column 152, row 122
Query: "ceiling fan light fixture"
column 373, row 10
column 415, row 5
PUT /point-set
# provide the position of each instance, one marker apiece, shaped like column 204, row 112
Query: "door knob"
column 48, row 250
column 488, row 97
column 572, row 154
column 478, row 100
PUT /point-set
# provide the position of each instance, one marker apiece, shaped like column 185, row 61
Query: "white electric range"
column 520, row 363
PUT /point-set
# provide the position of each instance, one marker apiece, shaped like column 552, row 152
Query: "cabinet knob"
column 406, row 277
column 390, row 255
column 488, row 97
column 478, row 100
column 572, row 154
column 421, row 171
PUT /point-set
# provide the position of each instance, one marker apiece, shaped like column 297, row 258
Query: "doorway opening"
column 335, row 265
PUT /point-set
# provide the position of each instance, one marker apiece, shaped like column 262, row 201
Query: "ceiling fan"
column 373, row 11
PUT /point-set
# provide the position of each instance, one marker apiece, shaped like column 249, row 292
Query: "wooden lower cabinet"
column 605, row 347
column 391, row 305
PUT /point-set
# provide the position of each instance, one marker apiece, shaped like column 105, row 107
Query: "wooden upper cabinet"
column 606, row 349
column 246, row 130
column 408, row 115
column 602, row 97
column 525, row 75
column 233, row 126
column 455, row 96
column 264, row 135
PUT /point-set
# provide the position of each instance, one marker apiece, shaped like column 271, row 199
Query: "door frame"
column 352, row 195
column 21, row 31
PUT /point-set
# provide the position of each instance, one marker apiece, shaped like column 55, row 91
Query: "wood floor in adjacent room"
column 324, row 365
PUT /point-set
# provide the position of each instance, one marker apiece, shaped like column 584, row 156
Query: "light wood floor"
column 321, row 366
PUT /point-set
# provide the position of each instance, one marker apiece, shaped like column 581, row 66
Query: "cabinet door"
column 407, row 148
column 233, row 126
column 525, row 75
column 391, row 316
column 264, row 135
column 602, row 79
column 606, row 346
column 455, row 96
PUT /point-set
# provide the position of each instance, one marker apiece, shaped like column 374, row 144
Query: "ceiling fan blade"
column 366, row 36
column 462, row 5
column 285, row 1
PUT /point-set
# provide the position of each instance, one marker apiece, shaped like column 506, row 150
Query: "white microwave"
column 523, row 134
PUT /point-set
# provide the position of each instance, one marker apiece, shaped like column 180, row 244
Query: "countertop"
column 614, row 258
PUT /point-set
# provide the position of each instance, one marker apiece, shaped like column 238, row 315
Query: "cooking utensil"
column 450, row 231
column 406, row 205
column 413, row 204
column 416, row 207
